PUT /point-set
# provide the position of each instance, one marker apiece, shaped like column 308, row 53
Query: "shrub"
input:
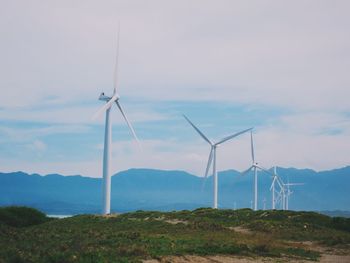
column 341, row 223
column 18, row 216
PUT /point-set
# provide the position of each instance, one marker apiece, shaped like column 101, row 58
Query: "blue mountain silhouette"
column 150, row 189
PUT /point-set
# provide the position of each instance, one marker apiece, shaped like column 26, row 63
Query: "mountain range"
column 149, row 189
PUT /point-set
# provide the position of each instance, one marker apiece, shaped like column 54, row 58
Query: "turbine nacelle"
column 103, row 97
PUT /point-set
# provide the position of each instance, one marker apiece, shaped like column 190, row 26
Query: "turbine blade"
column 280, row 183
column 247, row 171
column 252, row 146
column 232, row 136
column 115, row 82
column 279, row 197
column 273, row 181
column 128, row 123
column 104, row 107
column 210, row 160
column 264, row 170
column 199, row 132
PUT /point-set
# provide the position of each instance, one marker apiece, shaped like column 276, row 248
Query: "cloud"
column 37, row 146
column 80, row 114
column 291, row 57
column 293, row 54
column 25, row 134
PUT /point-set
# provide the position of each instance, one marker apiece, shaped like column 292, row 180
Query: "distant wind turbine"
column 275, row 178
column 264, row 203
column 254, row 167
column 212, row 157
column 108, row 136
column 288, row 193
column 284, row 194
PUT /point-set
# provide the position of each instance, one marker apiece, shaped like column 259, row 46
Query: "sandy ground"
column 209, row 259
column 330, row 255
column 241, row 230
column 327, row 256
column 335, row 258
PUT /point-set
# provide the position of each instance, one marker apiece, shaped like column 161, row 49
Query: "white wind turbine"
column 254, row 167
column 288, row 193
column 275, row 179
column 212, row 158
column 281, row 198
column 284, row 193
column 106, row 189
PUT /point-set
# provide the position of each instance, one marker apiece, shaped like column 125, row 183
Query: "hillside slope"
column 132, row 237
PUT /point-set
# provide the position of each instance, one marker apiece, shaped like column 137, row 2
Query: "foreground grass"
column 132, row 237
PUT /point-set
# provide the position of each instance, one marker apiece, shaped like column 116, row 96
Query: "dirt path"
column 330, row 255
column 242, row 230
column 208, row 259
column 326, row 258
column 335, row 258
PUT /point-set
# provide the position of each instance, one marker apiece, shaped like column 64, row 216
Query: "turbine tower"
column 110, row 100
column 212, row 158
column 272, row 189
column 254, row 167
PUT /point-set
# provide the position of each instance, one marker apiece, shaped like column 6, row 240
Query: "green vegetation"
column 19, row 216
column 27, row 235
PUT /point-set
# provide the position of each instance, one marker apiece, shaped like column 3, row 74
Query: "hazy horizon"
column 200, row 175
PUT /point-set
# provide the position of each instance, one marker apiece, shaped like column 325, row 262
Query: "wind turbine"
column 275, row 178
column 212, row 157
column 281, row 199
column 282, row 195
column 288, row 193
column 110, row 100
column 285, row 192
column 254, row 167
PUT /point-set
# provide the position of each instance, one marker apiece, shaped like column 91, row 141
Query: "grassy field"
column 27, row 235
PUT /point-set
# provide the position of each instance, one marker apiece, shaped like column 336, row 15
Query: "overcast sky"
column 279, row 66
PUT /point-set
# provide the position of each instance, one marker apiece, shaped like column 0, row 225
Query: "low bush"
column 18, row 216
